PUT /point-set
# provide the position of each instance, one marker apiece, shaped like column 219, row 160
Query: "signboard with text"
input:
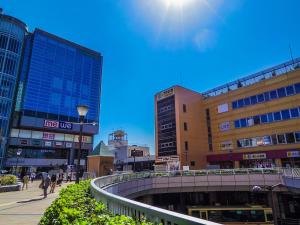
column 254, row 156
column 293, row 154
column 58, row 124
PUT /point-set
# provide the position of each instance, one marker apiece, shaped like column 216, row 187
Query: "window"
column 186, row 146
column 234, row 105
column 237, row 124
column 264, row 118
column 223, row 108
column 274, row 139
column 290, row 90
column 256, row 120
column 247, row 101
column 243, row 122
column 267, row 140
column 294, row 113
column 297, row 136
column 281, row 139
column 281, row 92
column 226, row 145
column 192, row 163
column 260, row 98
column 260, row 141
column 285, row 114
column 184, row 108
column 270, row 117
column 14, row 133
column 253, row 99
column 37, row 134
column 241, row 103
column 267, row 96
column 277, row 116
column 225, row 126
column 250, row 122
column 297, row 88
column 273, row 94
column 185, row 126
column 290, row 138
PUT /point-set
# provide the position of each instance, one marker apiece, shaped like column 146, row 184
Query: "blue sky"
column 149, row 45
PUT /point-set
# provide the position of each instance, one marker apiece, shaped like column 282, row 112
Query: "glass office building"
column 55, row 75
column 12, row 33
column 60, row 76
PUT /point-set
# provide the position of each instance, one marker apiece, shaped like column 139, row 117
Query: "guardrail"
column 292, row 173
column 120, row 205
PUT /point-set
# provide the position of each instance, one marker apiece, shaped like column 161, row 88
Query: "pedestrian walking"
column 60, row 179
column 32, row 177
column 25, row 182
column 53, row 183
column 45, row 183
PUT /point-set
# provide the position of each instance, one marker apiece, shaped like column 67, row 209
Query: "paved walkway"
column 25, row 207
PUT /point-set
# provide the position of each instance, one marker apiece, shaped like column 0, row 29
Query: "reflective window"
column 237, row 124
column 277, row 116
column 285, row 114
column 273, row 94
column 294, row 113
column 290, row 138
column 297, row 88
column 240, row 103
column 253, row 99
column 267, row 96
column 260, row 98
column 243, row 122
column 270, row 117
column 247, row 101
column 290, row 90
column 256, row 120
column 234, row 104
column 297, row 136
column 281, row 92
column 281, row 138
column 264, row 118
column 14, row 133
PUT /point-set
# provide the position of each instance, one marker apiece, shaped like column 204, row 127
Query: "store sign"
column 255, row 156
column 68, row 145
column 57, row 124
column 58, row 143
column 48, row 143
column 293, row 154
column 48, row 136
column 225, row 126
column 23, row 142
column 165, row 94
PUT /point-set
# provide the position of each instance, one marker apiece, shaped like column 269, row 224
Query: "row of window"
column 267, row 96
column 166, row 126
column 5, row 107
column 13, row 44
column 48, row 136
column 165, row 108
column 274, row 139
column 8, row 65
column 7, row 87
column 167, row 144
column 285, row 114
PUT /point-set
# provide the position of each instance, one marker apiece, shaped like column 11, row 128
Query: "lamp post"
column 82, row 111
column 270, row 189
column 133, row 154
column 19, row 152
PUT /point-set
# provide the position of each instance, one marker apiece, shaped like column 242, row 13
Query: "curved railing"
column 291, row 179
column 105, row 188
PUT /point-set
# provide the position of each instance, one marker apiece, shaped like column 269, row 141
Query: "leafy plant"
column 75, row 205
column 8, row 180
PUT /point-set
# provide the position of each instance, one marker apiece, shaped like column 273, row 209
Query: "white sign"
column 225, row 126
column 255, row 156
column 223, row 108
column 48, row 143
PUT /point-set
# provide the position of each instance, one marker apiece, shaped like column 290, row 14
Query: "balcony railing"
column 255, row 78
column 121, row 205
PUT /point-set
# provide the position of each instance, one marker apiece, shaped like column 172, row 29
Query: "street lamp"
column 270, row 189
column 133, row 154
column 19, row 152
column 82, row 111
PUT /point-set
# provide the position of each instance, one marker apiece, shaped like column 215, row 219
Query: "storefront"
column 265, row 159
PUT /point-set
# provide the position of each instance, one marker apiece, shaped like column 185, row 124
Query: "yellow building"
column 251, row 122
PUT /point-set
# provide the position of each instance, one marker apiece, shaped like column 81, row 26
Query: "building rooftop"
column 274, row 71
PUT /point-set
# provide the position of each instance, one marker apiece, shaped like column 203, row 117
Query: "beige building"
column 251, row 122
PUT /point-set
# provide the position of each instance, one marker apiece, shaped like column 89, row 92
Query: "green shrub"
column 75, row 205
column 8, row 180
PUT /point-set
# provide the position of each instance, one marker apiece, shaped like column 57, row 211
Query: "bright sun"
column 177, row 3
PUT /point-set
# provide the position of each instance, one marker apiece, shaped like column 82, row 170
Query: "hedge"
column 8, row 180
column 75, row 205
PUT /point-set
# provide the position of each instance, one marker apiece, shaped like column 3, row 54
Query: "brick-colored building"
column 251, row 122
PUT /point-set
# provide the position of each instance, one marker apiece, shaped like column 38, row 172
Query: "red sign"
column 51, row 123
column 48, row 136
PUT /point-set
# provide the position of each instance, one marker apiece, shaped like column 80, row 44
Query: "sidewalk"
column 25, row 207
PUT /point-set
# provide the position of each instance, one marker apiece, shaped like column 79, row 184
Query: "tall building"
column 12, row 35
column 251, row 122
column 56, row 75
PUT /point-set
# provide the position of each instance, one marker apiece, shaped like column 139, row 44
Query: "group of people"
column 47, row 181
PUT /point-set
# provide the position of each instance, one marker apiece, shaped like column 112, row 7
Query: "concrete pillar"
column 71, row 156
column 236, row 164
column 212, row 198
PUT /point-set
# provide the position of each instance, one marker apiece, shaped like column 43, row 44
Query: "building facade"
column 55, row 76
column 12, row 35
column 252, row 122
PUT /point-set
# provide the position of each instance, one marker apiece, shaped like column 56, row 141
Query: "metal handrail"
column 254, row 78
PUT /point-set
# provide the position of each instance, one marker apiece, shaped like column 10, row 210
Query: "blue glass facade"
column 12, row 33
column 61, row 75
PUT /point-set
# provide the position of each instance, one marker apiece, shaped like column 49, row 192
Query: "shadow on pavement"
column 31, row 200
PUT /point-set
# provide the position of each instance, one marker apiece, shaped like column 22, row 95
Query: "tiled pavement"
column 25, row 207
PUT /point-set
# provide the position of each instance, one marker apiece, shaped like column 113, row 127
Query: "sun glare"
column 177, row 3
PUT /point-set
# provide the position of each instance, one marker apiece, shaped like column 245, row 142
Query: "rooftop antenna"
column 291, row 53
